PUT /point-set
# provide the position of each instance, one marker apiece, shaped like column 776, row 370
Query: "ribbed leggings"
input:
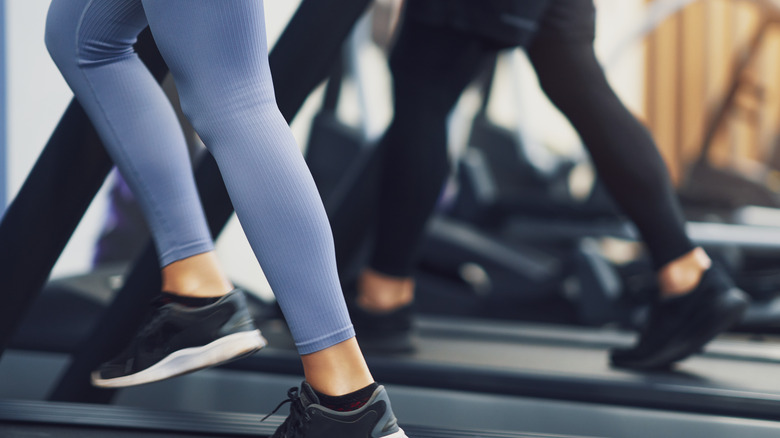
column 217, row 53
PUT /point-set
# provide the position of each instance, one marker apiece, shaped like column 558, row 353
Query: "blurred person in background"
column 442, row 46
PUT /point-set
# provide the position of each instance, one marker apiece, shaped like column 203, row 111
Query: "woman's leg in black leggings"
column 696, row 303
column 431, row 67
column 622, row 149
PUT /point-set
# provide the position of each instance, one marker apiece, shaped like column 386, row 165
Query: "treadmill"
column 734, row 376
column 63, row 420
column 225, row 402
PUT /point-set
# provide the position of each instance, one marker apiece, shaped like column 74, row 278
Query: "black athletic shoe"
column 309, row 419
column 384, row 333
column 177, row 339
column 679, row 327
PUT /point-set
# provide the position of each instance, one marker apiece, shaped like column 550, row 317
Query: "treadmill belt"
column 734, row 378
column 48, row 431
column 28, row 419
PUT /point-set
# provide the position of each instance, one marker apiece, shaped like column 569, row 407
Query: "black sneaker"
column 384, row 333
column 679, row 327
column 309, row 419
column 177, row 339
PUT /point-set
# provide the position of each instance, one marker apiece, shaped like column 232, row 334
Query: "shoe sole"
column 701, row 331
column 399, row 434
column 220, row 351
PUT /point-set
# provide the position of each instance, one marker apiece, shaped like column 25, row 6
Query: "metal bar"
column 3, row 115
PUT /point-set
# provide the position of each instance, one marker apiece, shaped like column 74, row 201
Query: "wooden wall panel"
column 692, row 74
column 690, row 63
column 662, row 89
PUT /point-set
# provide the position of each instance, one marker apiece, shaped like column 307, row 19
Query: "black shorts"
column 510, row 23
column 503, row 22
column 566, row 20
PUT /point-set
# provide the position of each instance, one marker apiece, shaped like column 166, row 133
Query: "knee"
column 223, row 108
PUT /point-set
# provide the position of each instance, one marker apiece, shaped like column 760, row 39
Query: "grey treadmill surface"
column 37, row 419
column 734, row 377
column 30, row 375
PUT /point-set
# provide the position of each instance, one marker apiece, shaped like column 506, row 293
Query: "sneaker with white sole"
column 177, row 339
column 309, row 419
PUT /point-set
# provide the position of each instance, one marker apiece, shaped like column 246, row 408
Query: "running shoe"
column 309, row 419
column 177, row 339
column 679, row 327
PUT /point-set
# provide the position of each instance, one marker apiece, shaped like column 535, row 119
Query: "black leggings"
column 432, row 65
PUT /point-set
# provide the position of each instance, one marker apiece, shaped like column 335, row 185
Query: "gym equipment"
column 708, row 187
column 707, row 190
column 136, row 280
column 3, row 105
column 491, row 365
column 74, row 420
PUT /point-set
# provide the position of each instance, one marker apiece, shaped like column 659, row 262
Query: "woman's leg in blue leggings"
column 218, row 56
column 132, row 115
column 91, row 42
column 217, row 53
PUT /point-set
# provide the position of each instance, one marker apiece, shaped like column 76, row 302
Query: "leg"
column 634, row 172
column 232, row 106
column 431, row 67
column 140, row 131
column 65, row 178
column 152, row 160
column 304, row 55
column 623, row 152
column 122, row 99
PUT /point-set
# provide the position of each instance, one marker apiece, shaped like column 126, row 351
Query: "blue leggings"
column 217, row 53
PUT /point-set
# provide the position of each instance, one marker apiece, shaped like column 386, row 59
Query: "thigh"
column 432, row 65
column 215, row 49
column 93, row 31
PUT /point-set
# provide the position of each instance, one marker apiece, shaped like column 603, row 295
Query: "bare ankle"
column 683, row 274
column 337, row 370
column 383, row 293
column 196, row 276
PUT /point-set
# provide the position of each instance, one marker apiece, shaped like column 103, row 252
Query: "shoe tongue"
column 308, row 396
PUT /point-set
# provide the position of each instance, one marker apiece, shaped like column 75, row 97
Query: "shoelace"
column 293, row 425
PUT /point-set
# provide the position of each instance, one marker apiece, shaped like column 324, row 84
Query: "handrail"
column 3, row 115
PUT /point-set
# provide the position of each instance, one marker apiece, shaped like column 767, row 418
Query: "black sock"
column 348, row 402
column 167, row 297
